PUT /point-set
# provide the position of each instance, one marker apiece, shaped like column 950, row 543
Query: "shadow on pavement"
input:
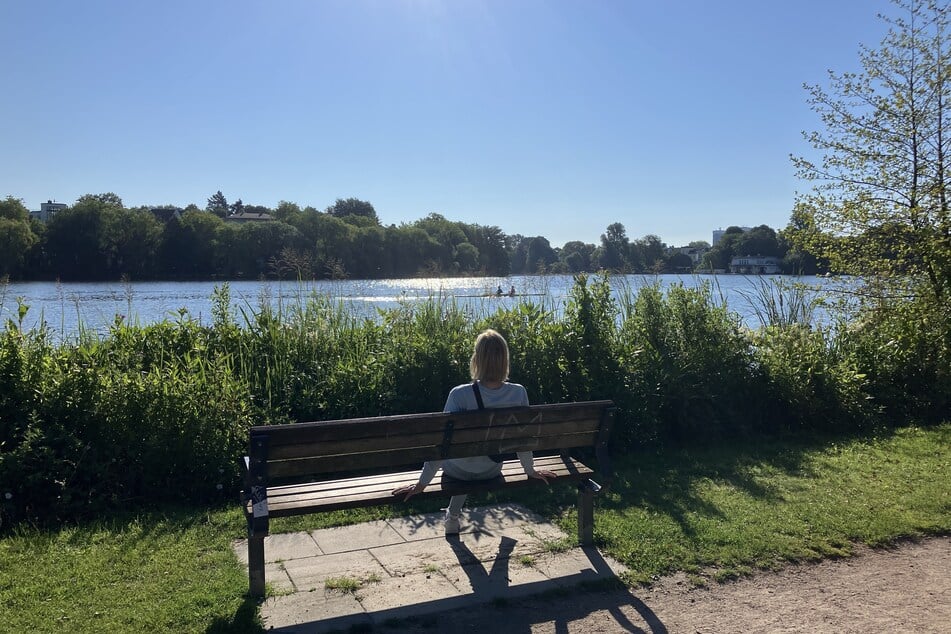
column 590, row 591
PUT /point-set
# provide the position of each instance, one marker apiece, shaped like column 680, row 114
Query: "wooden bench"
column 305, row 468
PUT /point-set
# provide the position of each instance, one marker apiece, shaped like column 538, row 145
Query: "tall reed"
column 153, row 412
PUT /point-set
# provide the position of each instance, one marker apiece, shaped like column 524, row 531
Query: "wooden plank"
column 315, row 491
column 351, row 462
column 400, row 457
column 493, row 432
column 421, row 423
column 409, row 476
column 375, row 490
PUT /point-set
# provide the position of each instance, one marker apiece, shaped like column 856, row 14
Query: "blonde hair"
column 490, row 357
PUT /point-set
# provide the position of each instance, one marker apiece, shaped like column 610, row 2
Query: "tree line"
column 98, row 238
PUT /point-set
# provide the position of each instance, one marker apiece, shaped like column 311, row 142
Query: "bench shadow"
column 594, row 589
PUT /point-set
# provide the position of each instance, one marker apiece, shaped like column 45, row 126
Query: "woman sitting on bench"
column 489, row 368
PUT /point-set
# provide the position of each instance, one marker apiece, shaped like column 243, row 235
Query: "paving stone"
column 276, row 575
column 498, row 518
column 280, row 547
column 311, row 573
column 501, row 578
column 317, row 611
column 346, row 538
column 577, row 565
column 401, row 592
column 418, row 527
column 467, row 548
column 418, row 570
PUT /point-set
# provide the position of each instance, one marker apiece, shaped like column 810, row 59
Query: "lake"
column 94, row 306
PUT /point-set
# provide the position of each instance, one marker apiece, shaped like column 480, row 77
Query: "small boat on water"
column 497, row 296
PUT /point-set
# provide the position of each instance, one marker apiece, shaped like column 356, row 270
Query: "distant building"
column 718, row 234
column 756, row 265
column 694, row 253
column 48, row 210
column 245, row 216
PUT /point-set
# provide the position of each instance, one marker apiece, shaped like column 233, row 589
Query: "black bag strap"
column 497, row 458
column 478, row 394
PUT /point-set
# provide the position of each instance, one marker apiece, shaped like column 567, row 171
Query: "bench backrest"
column 310, row 449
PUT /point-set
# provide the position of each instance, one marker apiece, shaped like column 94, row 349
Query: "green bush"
column 161, row 412
column 810, row 383
column 904, row 349
column 689, row 365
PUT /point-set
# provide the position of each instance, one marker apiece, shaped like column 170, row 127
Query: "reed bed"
column 155, row 412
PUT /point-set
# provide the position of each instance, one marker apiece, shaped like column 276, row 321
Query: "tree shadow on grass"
column 668, row 482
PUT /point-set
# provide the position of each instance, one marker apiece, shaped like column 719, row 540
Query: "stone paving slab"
column 280, row 547
column 408, row 567
column 311, row 573
column 346, row 538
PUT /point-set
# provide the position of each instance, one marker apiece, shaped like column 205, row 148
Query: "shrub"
column 904, row 348
column 810, row 384
column 689, row 365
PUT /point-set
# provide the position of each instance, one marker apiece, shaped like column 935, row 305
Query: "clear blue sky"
column 550, row 118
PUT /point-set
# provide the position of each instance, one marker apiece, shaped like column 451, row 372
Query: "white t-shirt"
column 462, row 399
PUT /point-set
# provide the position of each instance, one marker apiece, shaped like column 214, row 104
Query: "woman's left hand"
column 409, row 491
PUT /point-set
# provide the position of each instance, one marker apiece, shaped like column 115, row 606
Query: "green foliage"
column 689, row 366
column 879, row 206
column 904, row 348
column 810, row 382
column 160, row 412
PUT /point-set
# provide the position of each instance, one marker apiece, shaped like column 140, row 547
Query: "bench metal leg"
column 585, row 514
column 256, row 565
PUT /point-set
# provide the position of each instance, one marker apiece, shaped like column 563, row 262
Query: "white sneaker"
column 452, row 524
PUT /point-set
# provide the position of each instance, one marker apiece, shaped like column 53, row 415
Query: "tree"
column 615, row 248
column 353, row 207
column 16, row 236
column 218, row 205
column 760, row 240
column 72, row 240
column 879, row 205
column 13, row 209
column 648, row 253
column 16, row 240
column 107, row 199
column 129, row 242
column 287, row 212
column 577, row 256
column 190, row 245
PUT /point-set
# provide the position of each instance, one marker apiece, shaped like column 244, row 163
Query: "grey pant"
column 457, row 501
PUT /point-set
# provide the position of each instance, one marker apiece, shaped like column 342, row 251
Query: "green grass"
column 349, row 585
column 715, row 513
column 725, row 511
column 162, row 572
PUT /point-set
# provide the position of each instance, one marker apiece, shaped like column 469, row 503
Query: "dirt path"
column 902, row 589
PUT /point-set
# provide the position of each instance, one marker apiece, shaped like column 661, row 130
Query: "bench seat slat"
column 383, row 479
column 376, row 490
